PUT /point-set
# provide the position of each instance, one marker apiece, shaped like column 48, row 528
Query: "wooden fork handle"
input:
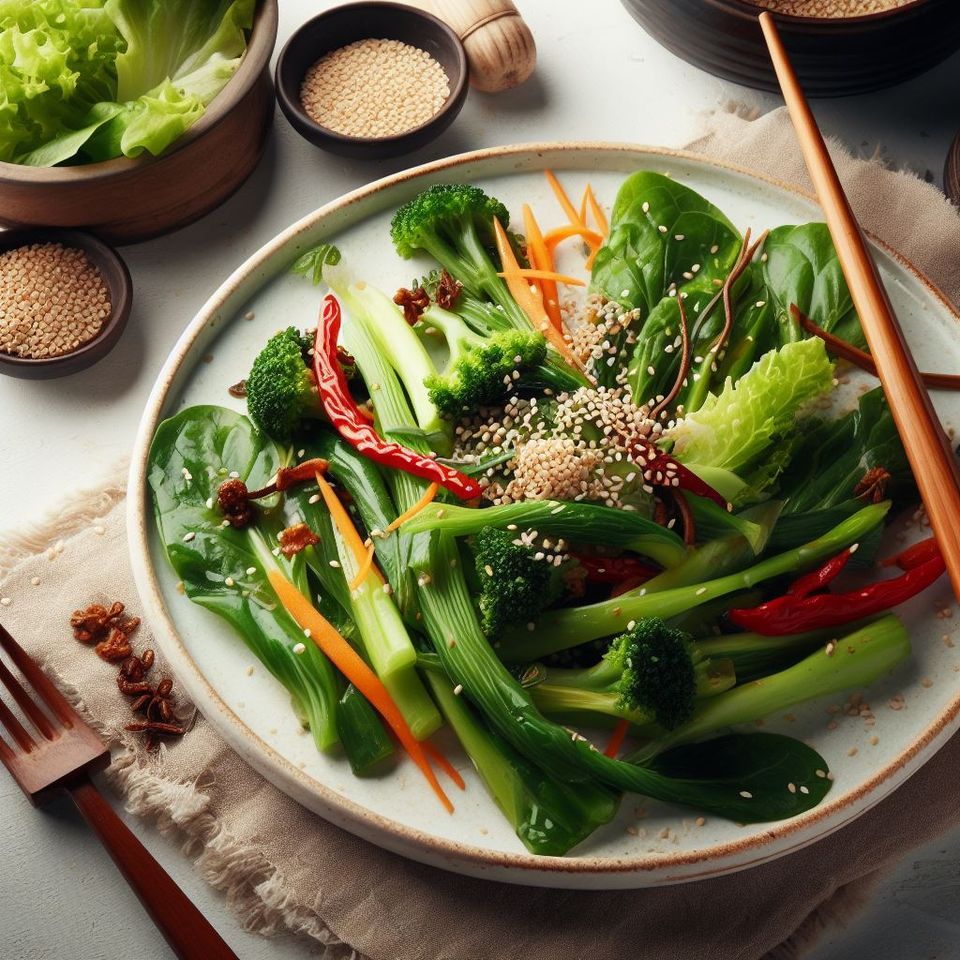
column 186, row 930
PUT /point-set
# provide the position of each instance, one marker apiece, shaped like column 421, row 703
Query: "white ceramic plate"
column 397, row 811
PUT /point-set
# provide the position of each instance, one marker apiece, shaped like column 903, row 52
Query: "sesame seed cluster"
column 374, row 88
column 830, row 8
column 52, row 300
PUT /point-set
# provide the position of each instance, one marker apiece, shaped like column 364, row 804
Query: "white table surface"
column 599, row 76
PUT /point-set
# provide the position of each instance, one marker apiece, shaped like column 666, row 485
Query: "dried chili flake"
column 238, row 389
column 448, row 291
column 414, row 302
column 94, row 624
column 873, row 485
column 233, row 499
column 115, row 647
column 296, row 538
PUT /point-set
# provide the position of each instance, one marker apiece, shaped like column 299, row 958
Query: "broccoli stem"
column 857, row 660
column 591, row 690
column 583, row 522
column 561, row 629
column 549, row 816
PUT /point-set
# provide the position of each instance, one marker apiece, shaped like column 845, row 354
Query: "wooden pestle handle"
column 188, row 932
column 924, row 441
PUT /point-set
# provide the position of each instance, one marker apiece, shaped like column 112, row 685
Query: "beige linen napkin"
column 284, row 869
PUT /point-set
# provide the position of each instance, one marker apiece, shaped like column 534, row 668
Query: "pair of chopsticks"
column 924, row 441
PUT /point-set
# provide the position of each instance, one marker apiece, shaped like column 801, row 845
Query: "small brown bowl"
column 361, row 21
column 131, row 199
column 833, row 56
column 115, row 275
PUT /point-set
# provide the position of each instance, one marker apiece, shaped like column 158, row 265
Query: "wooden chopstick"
column 926, row 444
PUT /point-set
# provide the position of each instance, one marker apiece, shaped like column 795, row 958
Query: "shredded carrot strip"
column 568, row 208
column 598, row 215
column 411, row 512
column 341, row 518
column 617, row 738
column 353, row 667
column 542, row 259
column 443, row 763
column 546, row 275
column 583, row 205
column 530, row 303
column 552, row 237
column 365, row 568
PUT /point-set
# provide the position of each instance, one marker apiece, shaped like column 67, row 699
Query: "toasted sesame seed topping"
column 299, row 648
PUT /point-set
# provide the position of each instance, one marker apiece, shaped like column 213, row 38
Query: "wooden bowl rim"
column 453, row 102
column 746, row 9
column 263, row 37
column 116, row 275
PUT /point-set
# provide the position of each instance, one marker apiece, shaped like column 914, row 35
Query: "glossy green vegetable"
column 191, row 455
column 88, row 80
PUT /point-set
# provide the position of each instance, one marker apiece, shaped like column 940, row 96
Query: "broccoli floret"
column 514, row 587
column 477, row 375
column 649, row 674
column 280, row 388
column 454, row 224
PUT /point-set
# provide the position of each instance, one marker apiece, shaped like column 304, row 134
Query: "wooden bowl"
column 115, row 275
column 833, row 56
column 126, row 200
column 360, row 21
column 951, row 172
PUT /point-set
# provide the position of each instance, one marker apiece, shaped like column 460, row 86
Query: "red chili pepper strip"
column 790, row 614
column 351, row 424
column 614, row 569
column 817, row 580
column 915, row 555
column 689, row 481
column 617, row 738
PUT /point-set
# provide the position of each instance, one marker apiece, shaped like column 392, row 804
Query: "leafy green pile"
column 89, row 80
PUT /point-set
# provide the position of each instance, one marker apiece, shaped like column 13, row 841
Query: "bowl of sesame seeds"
column 64, row 301
column 371, row 80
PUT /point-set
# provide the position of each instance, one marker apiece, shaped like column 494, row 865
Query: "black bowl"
column 360, row 21
column 115, row 275
column 833, row 56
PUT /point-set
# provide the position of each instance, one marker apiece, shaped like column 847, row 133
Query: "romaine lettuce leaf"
column 736, row 430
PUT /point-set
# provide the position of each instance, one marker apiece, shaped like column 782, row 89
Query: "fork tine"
column 40, row 682
column 37, row 717
column 16, row 728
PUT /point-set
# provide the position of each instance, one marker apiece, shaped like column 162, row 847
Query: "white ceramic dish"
column 397, row 812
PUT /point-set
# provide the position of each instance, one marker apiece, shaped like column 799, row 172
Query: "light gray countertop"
column 599, row 77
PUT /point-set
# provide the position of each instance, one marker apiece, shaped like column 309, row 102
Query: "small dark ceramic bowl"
column 115, row 275
column 360, row 21
column 833, row 56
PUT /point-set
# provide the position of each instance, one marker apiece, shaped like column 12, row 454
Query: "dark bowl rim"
column 454, row 100
column 119, row 284
column 260, row 45
column 746, row 9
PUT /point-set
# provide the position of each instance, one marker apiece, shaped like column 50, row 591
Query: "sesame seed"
column 187, row 475
column 662, row 228
column 458, row 689
column 335, row 564
column 5, row 601
column 314, row 499
column 35, row 581
column 251, row 571
column 746, row 794
column 306, row 632
column 299, row 648
column 805, row 790
column 229, row 581
column 792, row 787
column 187, row 537
column 234, row 475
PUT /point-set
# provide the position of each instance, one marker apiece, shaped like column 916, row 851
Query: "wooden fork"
column 61, row 755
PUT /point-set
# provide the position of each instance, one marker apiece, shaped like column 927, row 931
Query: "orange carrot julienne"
column 542, row 259
column 552, row 237
column 353, row 667
column 444, row 764
column 411, row 512
column 568, row 208
column 529, row 302
column 617, row 738
column 598, row 215
column 365, row 568
column 339, row 515
column 532, row 274
column 583, row 205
